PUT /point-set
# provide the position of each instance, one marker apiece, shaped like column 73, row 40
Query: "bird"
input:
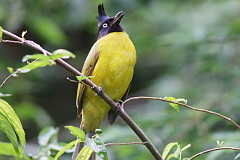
column 110, row 63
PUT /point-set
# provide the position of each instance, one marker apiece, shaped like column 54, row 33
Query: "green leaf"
column 171, row 156
column 76, row 132
column 68, row 146
column 7, row 128
column 98, row 147
column 62, row 53
column 7, row 149
column 7, row 111
column 35, row 56
column 80, row 78
column 33, row 65
column 85, row 153
column 48, row 135
column 98, row 131
column 168, row 148
column 23, row 34
column 175, row 106
column 186, row 147
column 237, row 156
column 182, row 100
column 219, row 143
column 12, row 72
column 178, row 151
column 0, row 32
column 59, row 146
column 4, row 95
column 101, row 150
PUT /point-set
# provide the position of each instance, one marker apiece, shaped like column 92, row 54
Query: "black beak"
column 117, row 18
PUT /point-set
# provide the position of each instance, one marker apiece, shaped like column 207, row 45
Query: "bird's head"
column 108, row 24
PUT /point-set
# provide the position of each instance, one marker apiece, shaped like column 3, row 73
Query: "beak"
column 117, row 18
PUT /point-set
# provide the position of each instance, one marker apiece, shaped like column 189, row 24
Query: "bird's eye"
column 105, row 25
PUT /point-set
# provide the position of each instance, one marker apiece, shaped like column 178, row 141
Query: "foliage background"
column 187, row 49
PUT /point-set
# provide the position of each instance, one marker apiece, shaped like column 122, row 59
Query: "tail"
column 77, row 150
column 81, row 145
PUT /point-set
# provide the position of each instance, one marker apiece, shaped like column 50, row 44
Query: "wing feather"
column 87, row 70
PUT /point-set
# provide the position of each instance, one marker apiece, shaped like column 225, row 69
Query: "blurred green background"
column 187, row 49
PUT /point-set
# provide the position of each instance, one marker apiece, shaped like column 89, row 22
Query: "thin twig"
column 10, row 41
column 130, row 143
column 15, row 74
column 10, row 76
column 71, row 80
column 96, row 89
column 75, row 81
column 213, row 149
column 184, row 105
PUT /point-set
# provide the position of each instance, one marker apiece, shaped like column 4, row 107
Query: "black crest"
column 101, row 13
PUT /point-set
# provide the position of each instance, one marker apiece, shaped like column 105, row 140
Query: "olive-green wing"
column 87, row 70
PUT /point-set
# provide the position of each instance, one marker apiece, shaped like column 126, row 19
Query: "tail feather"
column 81, row 145
column 77, row 150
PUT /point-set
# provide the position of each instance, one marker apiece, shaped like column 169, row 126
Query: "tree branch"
column 10, row 76
column 184, row 105
column 95, row 88
column 130, row 143
column 213, row 149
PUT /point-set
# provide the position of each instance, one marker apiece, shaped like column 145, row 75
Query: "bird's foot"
column 118, row 106
column 100, row 91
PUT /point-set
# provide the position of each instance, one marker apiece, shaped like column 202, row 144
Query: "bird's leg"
column 118, row 105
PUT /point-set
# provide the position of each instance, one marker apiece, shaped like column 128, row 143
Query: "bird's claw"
column 100, row 91
column 118, row 106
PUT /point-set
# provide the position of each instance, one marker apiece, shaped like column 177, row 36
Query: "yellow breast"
column 113, row 72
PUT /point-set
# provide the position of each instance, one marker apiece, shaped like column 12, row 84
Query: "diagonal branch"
column 95, row 88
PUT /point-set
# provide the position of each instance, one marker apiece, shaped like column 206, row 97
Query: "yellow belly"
column 113, row 72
